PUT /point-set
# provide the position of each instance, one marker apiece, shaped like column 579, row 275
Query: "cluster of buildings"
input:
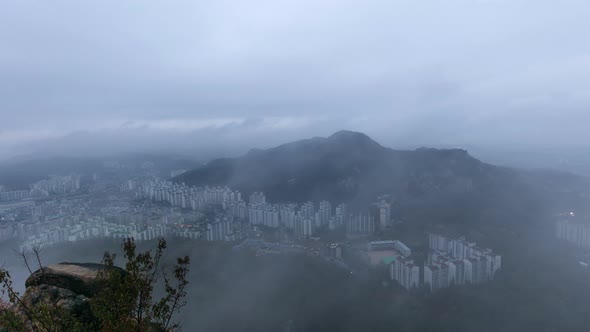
column 574, row 232
column 449, row 262
column 303, row 220
column 14, row 195
column 397, row 256
column 223, row 214
column 112, row 212
column 58, row 185
column 181, row 195
column 93, row 229
column 55, row 185
column 220, row 229
column 458, row 262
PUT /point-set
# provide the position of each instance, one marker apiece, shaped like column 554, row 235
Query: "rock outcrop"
column 80, row 278
column 76, row 305
column 66, row 286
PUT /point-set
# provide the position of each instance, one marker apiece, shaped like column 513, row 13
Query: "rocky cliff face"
column 73, row 304
column 80, row 278
column 66, row 286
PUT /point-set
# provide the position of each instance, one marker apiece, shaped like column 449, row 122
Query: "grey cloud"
column 455, row 72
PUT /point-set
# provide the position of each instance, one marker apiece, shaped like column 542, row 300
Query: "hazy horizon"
column 181, row 77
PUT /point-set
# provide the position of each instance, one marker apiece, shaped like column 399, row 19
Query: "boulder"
column 74, row 304
column 69, row 304
column 80, row 278
column 68, row 287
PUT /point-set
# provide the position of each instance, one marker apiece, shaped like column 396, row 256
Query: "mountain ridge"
column 346, row 166
column 427, row 184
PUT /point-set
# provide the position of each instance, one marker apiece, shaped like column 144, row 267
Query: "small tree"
column 127, row 301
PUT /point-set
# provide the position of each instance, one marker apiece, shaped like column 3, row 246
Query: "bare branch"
column 23, row 255
column 37, row 251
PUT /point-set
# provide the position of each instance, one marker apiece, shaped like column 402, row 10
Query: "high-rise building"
column 448, row 274
column 433, row 277
column 308, row 210
column 428, row 276
column 360, row 225
column 219, row 231
column 257, row 197
column 303, row 227
column 574, row 232
column 438, row 242
column 325, row 213
column 332, row 223
column 464, row 272
column 384, row 214
column 341, row 216
column 405, row 273
column 477, row 276
column 287, row 215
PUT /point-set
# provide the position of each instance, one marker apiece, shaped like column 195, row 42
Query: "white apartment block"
column 574, row 232
column 405, row 272
column 457, row 261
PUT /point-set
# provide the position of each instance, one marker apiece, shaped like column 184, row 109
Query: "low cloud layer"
column 141, row 75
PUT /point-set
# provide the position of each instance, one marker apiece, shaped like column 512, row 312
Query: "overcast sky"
column 123, row 75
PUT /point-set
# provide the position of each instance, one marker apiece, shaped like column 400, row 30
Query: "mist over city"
column 295, row 165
